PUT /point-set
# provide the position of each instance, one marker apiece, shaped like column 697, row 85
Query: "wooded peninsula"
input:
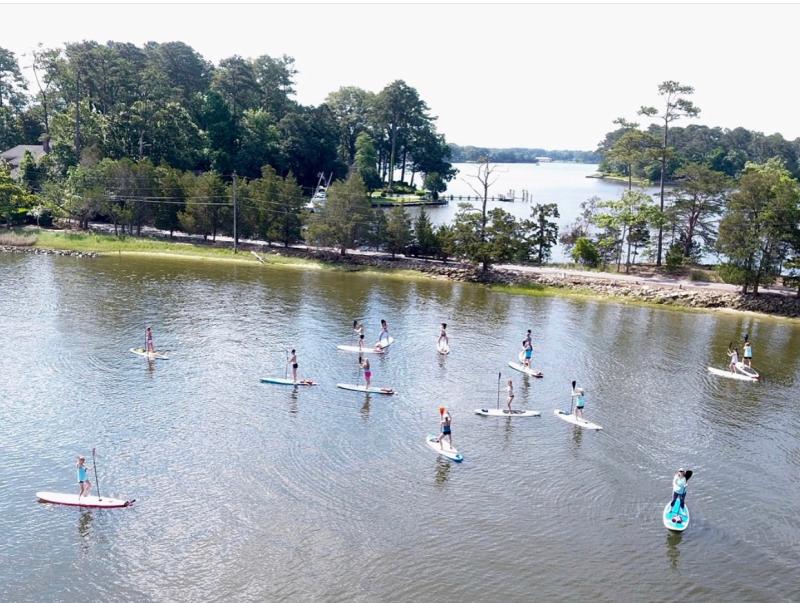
column 159, row 136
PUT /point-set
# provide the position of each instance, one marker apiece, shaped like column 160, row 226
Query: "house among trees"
column 13, row 156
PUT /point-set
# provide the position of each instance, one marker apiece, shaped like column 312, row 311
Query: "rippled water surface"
column 248, row 491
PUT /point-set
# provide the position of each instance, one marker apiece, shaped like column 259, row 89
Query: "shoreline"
column 667, row 293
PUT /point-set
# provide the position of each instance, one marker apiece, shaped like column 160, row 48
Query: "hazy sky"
column 512, row 75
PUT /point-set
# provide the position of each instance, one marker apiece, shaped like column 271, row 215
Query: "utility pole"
column 235, row 208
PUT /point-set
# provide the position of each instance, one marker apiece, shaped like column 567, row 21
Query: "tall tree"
column 675, row 107
column 12, row 99
column 486, row 176
column 698, row 199
column 633, row 149
column 366, row 160
column 760, row 224
column 344, row 221
column 540, row 233
column 399, row 109
column 286, row 222
column 398, row 230
column 350, row 107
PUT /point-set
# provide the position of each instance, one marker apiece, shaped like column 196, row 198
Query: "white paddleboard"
column 281, row 381
column 149, row 355
column 500, row 412
column 354, row 348
column 524, row 369
column 443, row 347
column 61, row 498
column 676, row 521
column 444, row 448
column 730, row 375
column 384, row 343
column 575, row 420
column 388, row 391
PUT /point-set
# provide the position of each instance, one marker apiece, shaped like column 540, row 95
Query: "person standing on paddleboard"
column 445, row 425
column 748, row 352
column 527, row 347
column 679, row 488
column 384, row 336
column 733, row 354
column 148, row 341
column 293, row 362
column 364, row 363
column 510, row 390
column 443, row 335
column 578, row 400
column 83, row 477
column 358, row 328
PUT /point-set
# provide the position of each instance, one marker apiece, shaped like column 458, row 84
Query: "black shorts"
column 294, row 366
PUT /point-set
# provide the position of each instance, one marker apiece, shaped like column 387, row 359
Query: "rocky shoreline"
column 43, row 251
column 667, row 295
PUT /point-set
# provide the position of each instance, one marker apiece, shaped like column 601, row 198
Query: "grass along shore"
column 584, row 287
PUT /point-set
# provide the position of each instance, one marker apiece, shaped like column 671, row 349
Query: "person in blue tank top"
column 83, row 477
column 748, row 352
column 679, row 488
column 580, row 402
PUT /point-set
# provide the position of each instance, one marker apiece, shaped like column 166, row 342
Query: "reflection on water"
column 673, row 551
column 242, row 496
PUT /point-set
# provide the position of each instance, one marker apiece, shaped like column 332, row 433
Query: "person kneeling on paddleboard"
column 445, row 426
column 83, row 477
column 679, row 488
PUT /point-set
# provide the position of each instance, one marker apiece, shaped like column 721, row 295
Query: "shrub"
column 585, row 252
column 674, row 257
column 16, row 239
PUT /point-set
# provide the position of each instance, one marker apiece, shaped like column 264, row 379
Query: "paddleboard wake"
column 569, row 418
column 73, row 500
column 281, row 381
column 149, row 355
column 500, row 412
column 674, row 518
column 388, row 391
column 444, row 448
column 746, row 374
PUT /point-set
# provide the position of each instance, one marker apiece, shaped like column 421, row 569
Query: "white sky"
column 511, row 75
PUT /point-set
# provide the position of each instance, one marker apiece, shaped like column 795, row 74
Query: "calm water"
column 252, row 492
column 565, row 184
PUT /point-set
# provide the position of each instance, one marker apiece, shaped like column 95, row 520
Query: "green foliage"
column 674, row 257
column 697, row 201
column 425, row 240
column 366, row 160
column 540, row 233
column 346, row 218
column 398, row 230
column 286, row 222
column 585, row 252
column 203, row 214
column 13, row 198
column 761, row 223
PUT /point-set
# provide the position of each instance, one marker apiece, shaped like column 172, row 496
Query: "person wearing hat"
column 83, row 477
column 444, row 424
column 679, row 487
column 578, row 401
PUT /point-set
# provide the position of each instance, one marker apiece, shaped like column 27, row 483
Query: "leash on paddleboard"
column 96, row 476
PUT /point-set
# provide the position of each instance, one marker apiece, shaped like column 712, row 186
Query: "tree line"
column 165, row 103
column 461, row 154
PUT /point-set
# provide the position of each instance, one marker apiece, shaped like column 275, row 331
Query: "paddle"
column 96, row 476
column 286, row 365
column 499, row 375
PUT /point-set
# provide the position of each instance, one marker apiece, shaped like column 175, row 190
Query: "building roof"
column 14, row 155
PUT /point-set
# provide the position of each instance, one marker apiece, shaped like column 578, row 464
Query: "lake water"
column 565, row 184
column 252, row 492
